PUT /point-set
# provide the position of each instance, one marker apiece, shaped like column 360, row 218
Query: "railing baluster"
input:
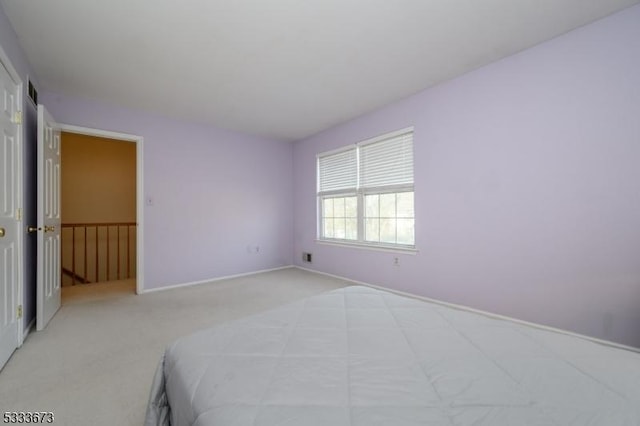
column 128, row 254
column 108, row 255
column 97, row 257
column 84, row 272
column 61, row 257
column 73, row 257
column 118, row 252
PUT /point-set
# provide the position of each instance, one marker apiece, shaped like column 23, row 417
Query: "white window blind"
column 387, row 162
column 338, row 171
column 365, row 193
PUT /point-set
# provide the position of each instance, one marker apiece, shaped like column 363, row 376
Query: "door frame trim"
column 139, row 141
column 15, row 76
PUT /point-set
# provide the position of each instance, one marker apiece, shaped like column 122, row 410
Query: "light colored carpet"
column 97, row 291
column 94, row 363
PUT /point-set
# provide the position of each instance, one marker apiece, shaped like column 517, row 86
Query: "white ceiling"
column 283, row 69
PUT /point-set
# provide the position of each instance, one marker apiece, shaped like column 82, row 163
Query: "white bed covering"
column 362, row 357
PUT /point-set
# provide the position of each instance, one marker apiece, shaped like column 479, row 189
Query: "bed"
column 359, row 356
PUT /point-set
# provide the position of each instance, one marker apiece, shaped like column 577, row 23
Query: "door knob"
column 33, row 229
column 2, row 232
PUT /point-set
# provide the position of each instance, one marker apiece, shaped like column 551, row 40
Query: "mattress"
column 359, row 356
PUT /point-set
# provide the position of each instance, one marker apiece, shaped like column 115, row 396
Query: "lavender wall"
column 214, row 193
column 527, row 178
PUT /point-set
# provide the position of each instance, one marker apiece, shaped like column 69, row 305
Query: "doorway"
column 30, row 288
column 111, row 248
column 98, row 194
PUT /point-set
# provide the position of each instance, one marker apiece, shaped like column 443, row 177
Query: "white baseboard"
column 210, row 280
column 481, row 312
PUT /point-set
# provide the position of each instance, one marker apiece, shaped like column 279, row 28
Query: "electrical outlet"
column 306, row 257
column 396, row 261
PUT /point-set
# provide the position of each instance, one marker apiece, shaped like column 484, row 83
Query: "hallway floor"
column 97, row 291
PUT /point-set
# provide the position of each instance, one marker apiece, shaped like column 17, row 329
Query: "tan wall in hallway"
column 98, row 179
column 98, row 186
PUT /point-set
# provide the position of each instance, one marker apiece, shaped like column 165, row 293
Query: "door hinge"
column 19, row 311
column 19, row 214
column 18, row 117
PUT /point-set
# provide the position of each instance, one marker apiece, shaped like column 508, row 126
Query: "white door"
column 9, row 215
column 48, row 273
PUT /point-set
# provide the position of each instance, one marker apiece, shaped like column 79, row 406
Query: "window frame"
column 360, row 193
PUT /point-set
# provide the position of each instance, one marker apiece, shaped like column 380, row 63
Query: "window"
column 365, row 192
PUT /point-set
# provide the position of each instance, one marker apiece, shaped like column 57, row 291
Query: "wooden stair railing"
column 98, row 251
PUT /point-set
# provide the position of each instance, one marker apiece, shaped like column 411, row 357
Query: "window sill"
column 374, row 247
